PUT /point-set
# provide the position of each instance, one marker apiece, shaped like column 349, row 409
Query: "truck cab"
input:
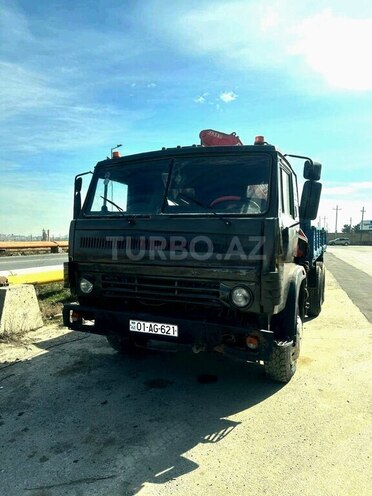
column 194, row 247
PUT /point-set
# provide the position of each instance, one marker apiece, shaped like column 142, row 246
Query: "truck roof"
column 188, row 151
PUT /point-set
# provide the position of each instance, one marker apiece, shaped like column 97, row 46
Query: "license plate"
column 156, row 328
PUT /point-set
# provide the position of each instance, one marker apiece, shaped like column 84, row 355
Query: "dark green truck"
column 200, row 247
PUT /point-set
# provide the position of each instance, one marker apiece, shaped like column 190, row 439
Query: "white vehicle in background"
column 339, row 241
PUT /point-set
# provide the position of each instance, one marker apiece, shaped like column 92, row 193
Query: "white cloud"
column 151, row 85
column 37, row 200
column 353, row 191
column 228, row 96
column 228, row 31
column 14, row 27
column 202, row 98
column 338, row 48
column 296, row 38
column 37, row 116
column 69, row 128
column 9, row 166
column 22, row 89
column 347, row 209
column 350, row 199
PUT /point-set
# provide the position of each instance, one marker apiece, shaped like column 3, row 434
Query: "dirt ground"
column 77, row 420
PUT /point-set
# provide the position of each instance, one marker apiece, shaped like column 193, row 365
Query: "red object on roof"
column 209, row 137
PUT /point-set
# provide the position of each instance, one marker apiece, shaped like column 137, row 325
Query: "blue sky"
column 78, row 78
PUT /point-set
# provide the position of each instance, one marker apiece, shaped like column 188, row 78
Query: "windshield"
column 235, row 184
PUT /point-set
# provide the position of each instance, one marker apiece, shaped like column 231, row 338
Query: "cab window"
column 287, row 196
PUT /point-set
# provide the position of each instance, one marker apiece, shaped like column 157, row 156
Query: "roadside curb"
column 19, row 310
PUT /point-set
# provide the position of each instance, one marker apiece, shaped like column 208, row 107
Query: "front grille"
column 96, row 242
column 161, row 289
column 133, row 244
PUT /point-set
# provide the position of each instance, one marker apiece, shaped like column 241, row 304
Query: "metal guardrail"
column 11, row 246
column 36, row 275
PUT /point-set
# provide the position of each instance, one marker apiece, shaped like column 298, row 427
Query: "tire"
column 314, row 301
column 287, row 326
column 322, row 285
column 316, row 293
column 282, row 364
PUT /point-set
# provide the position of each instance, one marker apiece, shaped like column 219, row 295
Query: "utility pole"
column 361, row 224
column 324, row 222
column 337, row 210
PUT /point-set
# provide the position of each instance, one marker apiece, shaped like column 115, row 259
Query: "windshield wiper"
column 184, row 197
column 130, row 217
column 115, row 205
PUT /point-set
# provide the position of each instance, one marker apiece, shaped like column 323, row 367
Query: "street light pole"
column 114, row 148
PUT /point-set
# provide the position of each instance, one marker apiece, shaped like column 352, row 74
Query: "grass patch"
column 51, row 299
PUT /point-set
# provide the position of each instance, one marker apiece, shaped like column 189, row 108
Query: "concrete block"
column 19, row 310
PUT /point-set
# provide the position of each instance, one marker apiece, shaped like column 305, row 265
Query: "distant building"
column 366, row 225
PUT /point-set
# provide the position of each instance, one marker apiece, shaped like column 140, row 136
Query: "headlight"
column 240, row 297
column 85, row 285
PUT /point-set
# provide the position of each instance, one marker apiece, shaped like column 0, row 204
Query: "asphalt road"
column 76, row 419
column 31, row 261
column 352, row 268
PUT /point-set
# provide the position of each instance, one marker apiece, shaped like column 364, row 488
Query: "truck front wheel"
column 287, row 326
column 282, row 363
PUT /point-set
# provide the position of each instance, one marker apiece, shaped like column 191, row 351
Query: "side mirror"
column 312, row 170
column 310, row 199
column 78, row 184
column 77, row 196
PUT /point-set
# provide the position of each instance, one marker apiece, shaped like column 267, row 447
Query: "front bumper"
column 192, row 332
